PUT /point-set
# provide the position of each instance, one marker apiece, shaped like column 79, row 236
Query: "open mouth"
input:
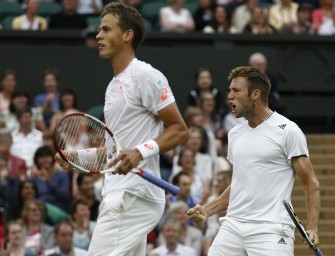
column 233, row 107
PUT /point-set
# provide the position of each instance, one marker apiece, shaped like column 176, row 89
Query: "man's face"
column 64, row 238
column 171, row 234
column 110, row 37
column 239, row 98
column 185, row 185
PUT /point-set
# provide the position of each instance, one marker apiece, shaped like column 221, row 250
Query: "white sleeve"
column 295, row 142
column 155, row 91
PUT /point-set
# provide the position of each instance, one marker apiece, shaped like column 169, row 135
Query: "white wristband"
column 87, row 156
column 148, row 149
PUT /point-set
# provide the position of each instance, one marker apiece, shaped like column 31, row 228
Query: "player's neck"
column 121, row 62
column 260, row 116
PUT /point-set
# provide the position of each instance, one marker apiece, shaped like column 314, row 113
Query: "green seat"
column 150, row 11
column 7, row 22
column 9, row 8
column 54, row 214
column 93, row 21
column 191, row 6
column 49, row 8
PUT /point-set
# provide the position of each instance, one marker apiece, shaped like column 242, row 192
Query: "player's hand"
column 197, row 214
column 65, row 165
column 127, row 160
column 313, row 236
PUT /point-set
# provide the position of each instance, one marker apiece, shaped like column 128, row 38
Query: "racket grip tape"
column 318, row 252
column 174, row 190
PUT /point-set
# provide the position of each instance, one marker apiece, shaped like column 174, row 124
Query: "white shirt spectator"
column 86, row 6
column 56, row 251
column 181, row 250
column 172, row 21
column 25, row 146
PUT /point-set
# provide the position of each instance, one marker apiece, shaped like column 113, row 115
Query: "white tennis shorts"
column 123, row 224
column 236, row 238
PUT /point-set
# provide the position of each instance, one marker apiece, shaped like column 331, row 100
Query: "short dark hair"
column 129, row 18
column 67, row 91
column 200, row 70
column 62, row 223
column 75, row 203
column 255, row 78
column 176, row 178
column 19, row 113
column 81, row 177
column 43, row 151
column 52, row 71
column 8, row 72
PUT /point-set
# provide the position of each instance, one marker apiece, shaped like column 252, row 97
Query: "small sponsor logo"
column 282, row 126
column 164, row 94
column 148, row 146
column 282, row 241
column 160, row 84
column 121, row 84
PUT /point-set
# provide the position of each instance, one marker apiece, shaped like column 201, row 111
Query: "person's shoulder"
column 145, row 71
column 186, row 250
column 238, row 127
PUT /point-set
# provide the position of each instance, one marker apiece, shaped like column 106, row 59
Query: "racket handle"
column 174, row 190
column 318, row 252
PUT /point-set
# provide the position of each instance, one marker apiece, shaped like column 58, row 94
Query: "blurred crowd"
column 46, row 210
column 207, row 16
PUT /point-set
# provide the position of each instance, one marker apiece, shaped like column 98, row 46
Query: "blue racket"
column 80, row 140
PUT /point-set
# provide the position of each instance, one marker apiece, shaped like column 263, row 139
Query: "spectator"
column 200, row 185
column 213, row 121
column 83, row 226
column 90, row 7
column 21, row 100
column 242, row 14
column 67, row 105
column 171, row 231
column 8, row 84
column 189, row 235
column 53, row 185
column 17, row 165
column 259, row 23
column 203, row 14
column 220, row 22
column 222, row 180
column 64, row 242
column 27, row 190
column 283, row 14
column 184, row 182
column 49, row 100
column 37, row 235
column 328, row 26
column 194, row 117
column 26, row 139
column 30, row 20
column 203, row 162
column 304, row 22
column 175, row 18
column 68, row 17
column 259, row 61
column 85, row 191
column 204, row 82
column 323, row 14
column 13, row 244
column 89, row 35
column 8, row 185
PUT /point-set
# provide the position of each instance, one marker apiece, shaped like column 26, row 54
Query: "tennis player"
column 141, row 111
column 266, row 152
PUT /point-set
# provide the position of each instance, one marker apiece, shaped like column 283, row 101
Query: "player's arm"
column 199, row 214
column 304, row 169
column 175, row 132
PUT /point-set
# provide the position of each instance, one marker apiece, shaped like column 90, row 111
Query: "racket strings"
column 82, row 143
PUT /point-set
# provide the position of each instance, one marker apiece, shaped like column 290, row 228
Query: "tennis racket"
column 88, row 145
column 301, row 229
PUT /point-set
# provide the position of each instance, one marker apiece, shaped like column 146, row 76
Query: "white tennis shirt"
column 262, row 172
column 133, row 99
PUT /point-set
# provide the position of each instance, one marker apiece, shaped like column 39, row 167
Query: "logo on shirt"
column 160, row 84
column 121, row 84
column 164, row 94
column 148, row 146
column 282, row 126
column 282, row 241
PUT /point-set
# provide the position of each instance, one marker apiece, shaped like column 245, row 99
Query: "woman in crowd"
column 37, row 235
column 83, row 226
